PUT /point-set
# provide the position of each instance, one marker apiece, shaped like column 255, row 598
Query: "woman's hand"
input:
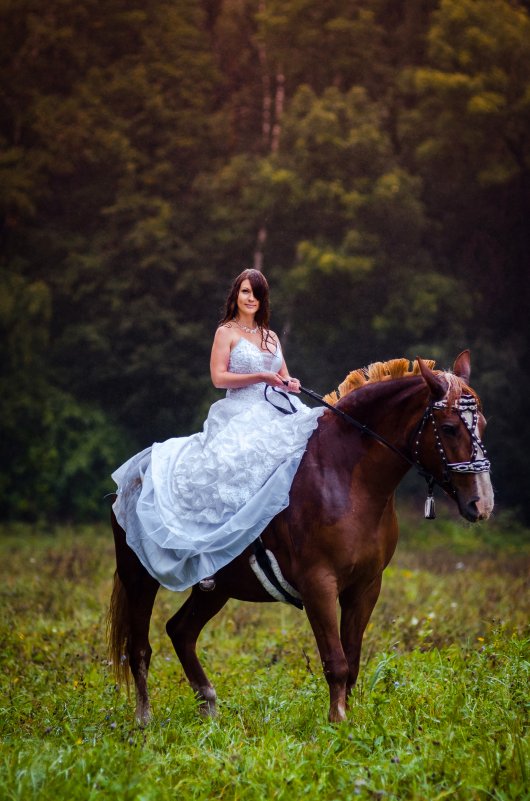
column 275, row 380
column 285, row 382
column 293, row 384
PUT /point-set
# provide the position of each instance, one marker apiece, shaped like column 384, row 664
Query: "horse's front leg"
column 184, row 629
column 321, row 608
column 357, row 604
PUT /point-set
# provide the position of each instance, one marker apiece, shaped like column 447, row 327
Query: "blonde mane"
column 396, row 368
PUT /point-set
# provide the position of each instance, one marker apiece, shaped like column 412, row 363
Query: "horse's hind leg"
column 138, row 591
column 184, row 629
column 142, row 595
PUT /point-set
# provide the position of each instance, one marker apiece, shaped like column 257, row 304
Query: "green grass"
column 440, row 710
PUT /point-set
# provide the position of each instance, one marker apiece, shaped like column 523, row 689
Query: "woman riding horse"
column 317, row 485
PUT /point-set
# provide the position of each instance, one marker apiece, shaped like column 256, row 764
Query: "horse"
column 339, row 531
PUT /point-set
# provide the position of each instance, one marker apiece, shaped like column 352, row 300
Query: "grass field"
column 440, row 710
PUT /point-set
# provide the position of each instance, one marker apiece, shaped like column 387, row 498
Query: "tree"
column 354, row 221
column 469, row 132
column 466, row 133
column 113, row 107
column 105, row 119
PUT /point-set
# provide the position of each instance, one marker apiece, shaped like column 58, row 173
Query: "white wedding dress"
column 190, row 505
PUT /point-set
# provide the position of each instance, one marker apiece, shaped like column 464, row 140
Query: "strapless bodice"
column 246, row 357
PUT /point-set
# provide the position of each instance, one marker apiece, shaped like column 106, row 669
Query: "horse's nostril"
column 471, row 511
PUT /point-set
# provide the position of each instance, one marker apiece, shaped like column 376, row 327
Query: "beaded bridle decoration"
column 467, row 409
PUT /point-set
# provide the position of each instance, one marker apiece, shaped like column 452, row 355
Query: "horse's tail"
column 118, row 631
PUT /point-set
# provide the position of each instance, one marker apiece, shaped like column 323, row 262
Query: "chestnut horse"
column 339, row 531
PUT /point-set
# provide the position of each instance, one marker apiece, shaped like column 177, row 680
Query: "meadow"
column 440, row 710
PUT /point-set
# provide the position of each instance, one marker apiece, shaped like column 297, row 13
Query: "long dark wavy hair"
column 260, row 288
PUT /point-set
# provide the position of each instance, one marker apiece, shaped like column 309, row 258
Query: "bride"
column 190, row 505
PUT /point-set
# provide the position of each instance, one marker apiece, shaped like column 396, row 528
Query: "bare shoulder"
column 275, row 338
column 225, row 335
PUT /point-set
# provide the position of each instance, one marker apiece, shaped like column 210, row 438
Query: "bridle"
column 466, row 406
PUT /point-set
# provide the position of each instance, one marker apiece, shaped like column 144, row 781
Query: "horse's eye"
column 448, row 428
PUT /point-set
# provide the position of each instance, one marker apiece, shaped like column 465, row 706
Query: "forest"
column 372, row 157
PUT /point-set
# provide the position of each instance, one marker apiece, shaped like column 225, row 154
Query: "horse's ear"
column 437, row 385
column 462, row 366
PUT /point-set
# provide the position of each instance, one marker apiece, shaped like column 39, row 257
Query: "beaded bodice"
column 246, row 357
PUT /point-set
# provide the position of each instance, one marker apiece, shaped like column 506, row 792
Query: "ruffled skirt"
column 190, row 505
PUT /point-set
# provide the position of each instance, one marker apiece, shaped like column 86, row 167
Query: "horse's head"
column 449, row 440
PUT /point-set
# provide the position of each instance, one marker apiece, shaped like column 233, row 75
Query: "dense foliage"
column 373, row 157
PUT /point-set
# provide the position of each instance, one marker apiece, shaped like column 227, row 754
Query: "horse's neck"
column 390, row 407
column 344, row 469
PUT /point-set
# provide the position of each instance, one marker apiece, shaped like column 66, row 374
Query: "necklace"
column 245, row 327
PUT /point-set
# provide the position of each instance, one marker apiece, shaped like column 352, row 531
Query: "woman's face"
column 247, row 303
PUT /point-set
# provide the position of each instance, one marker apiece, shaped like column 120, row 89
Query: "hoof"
column 208, row 709
column 207, row 584
column 337, row 714
column 207, row 697
column 143, row 716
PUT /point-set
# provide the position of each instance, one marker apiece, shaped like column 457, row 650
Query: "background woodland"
column 372, row 157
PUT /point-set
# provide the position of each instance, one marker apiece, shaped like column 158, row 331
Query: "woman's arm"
column 293, row 384
column 225, row 338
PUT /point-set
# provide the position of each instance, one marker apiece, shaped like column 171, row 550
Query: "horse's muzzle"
column 474, row 509
column 475, row 500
